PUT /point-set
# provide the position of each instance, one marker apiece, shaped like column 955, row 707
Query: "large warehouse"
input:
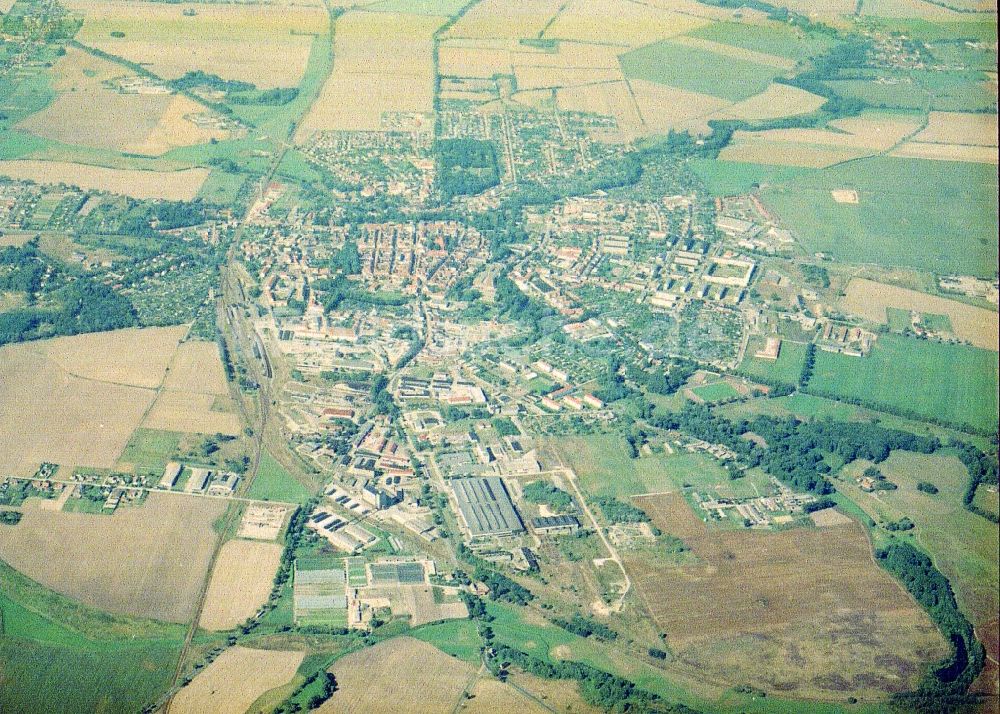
column 485, row 507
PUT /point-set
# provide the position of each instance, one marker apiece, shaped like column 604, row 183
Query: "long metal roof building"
column 485, row 506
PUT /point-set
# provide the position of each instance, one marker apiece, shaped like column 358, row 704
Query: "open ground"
column 240, row 583
column 782, row 609
column 234, row 681
column 180, row 185
column 145, row 561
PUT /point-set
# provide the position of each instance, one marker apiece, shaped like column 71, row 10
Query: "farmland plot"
column 145, row 561
column 180, row 185
column 807, row 609
column 240, row 583
column 235, row 680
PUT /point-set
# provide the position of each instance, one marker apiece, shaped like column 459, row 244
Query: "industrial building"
column 485, row 507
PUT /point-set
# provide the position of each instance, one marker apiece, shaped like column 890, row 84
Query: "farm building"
column 555, row 525
column 485, row 507
column 170, row 474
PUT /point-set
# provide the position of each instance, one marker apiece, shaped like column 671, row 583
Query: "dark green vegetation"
column 944, row 688
column 544, row 492
column 620, row 512
column 66, row 657
column 57, row 303
column 907, row 209
column 465, row 166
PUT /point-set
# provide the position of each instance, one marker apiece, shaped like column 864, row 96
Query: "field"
column 604, row 468
column 491, row 696
column 731, row 178
column 871, row 300
column 778, row 100
column 963, row 544
column 171, row 185
column 785, row 369
column 457, row 638
column 274, row 483
column 889, row 227
column 235, row 680
column 783, row 609
column 383, row 679
column 148, row 451
column 144, row 561
column 500, row 19
column 621, row 23
column 951, row 382
column 196, row 367
column 356, row 98
column 698, row 70
column 175, row 410
column 717, row 392
column 960, row 128
column 240, row 583
column 50, row 413
column 213, row 40
column 771, row 38
column 67, row 657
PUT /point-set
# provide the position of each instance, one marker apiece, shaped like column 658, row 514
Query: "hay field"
column 531, row 77
column 88, row 113
column 751, row 150
column 869, row 299
column 960, row 128
column 778, row 100
column 500, row 18
column 457, row 59
column 241, row 581
column 384, row 63
column 214, row 40
column 947, row 152
column 176, row 410
column 197, row 367
column 48, row 414
column 619, row 22
column 795, row 605
column 170, row 185
column 383, row 679
column 144, row 561
column 136, row 357
column 235, row 680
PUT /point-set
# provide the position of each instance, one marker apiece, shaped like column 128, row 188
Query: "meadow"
column 698, row 70
column 772, row 38
column 274, row 483
column 732, row 178
column 895, row 224
column 953, row 383
column 786, row 369
column 67, row 657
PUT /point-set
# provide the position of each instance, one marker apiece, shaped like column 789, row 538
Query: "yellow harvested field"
column 458, row 61
column 235, row 680
column 960, row 128
column 175, row 410
column 788, row 153
column 175, row 129
column 664, row 108
column 136, row 357
column 383, row 679
column 844, row 195
column 241, row 581
column 739, row 53
column 535, row 98
column 384, row 64
column 778, row 100
column 912, row 8
column 619, row 22
column 869, row 299
column 535, row 77
column 171, row 185
column 491, row 696
column 610, row 99
column 197, row 367
column 947, row 152
column 213, row 40
column 834, row 12
column 502, row 18
column 144, row 561
column 48, row 414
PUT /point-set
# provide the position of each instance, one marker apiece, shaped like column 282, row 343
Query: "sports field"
column 955, row 383
column 906, row 206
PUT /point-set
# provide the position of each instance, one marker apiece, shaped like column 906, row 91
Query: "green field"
column 274, row 483
column 733, row 178
column 951, row 382
column 66, row 657
column 772, row 39
column 604, row 468
column 786, row 369
column 718, row 392
column 458, row 638
column 150, row 450
column 895, row 223
column 963, row 544
column 697, row 70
